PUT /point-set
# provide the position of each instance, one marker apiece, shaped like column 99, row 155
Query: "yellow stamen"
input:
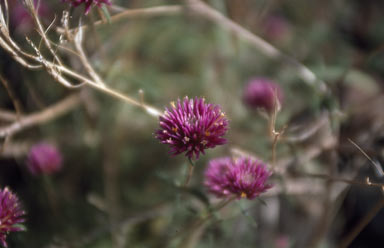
column 174, row 129
column 173, row 104
column 243, row 195
column 207, row 133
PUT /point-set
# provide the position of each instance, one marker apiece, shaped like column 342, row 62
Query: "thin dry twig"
column 191, row 167
column 50, row 113
column 56, row 70
column 375, row 164
column 367, row 183
column 31, row 6
column 134, row 13
column 204, row 10
column 83, row 58
column 6, row 115
column 15, row 101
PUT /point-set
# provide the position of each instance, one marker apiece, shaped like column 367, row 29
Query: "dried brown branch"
column 204, row 10
column 6, row 115
column 16, row 103
column 83, row 58
column 134, row 13
column 44, row 116
column 367, row 183
column 42, row 32
column 57, row 71
column 15, row 149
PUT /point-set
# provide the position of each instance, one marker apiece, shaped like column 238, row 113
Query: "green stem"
column 191, row 167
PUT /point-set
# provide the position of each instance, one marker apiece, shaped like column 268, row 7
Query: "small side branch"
column 46, row 115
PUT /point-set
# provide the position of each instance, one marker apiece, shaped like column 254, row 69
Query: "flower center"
column 247, row 178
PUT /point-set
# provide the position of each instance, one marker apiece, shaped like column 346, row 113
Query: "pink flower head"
column 276, row 28
column 263, row 93
column 44, row 158
column 11, row 214
column 242, row 177
column 191, row 126
column 215, row 176
column 88, row 3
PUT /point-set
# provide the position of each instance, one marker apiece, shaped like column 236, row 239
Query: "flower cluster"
column 88, row 3
column 191, row 126
column 263, row 93
column 243, row 177
column 11, row 215
column 44, row 158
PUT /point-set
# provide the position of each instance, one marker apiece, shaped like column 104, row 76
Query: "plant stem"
column 191, row 167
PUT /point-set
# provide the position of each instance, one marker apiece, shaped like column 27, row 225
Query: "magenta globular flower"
column 191, row 126
column 44, row 158
column 88, row 3
column 242, row 177
column 11, row 214
column 263, row 93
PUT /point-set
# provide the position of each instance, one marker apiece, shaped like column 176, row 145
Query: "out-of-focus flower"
column 242, row 177
column 276, row 28
column 44, row 158
column 215, row 176
column 282, row 241
column 20, row 17
column 191, row 126
column 11, row 214
column 263, row 93
column 88, row 3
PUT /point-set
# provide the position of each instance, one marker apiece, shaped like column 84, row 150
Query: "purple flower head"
column 44, row 158
column 88, row 3
column 248, row 178
column 263, row 93
column 191, row 126
column 276, row 28
column 215, row 176
column 11, row 214
column 242, row 177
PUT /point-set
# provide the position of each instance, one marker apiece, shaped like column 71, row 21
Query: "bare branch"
column 46, row 115
column 201, row 8
column 83, row 58
column 7, row 115
column 135, row 13
column 42, row 32
column 15, row 100
column 204, row 10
